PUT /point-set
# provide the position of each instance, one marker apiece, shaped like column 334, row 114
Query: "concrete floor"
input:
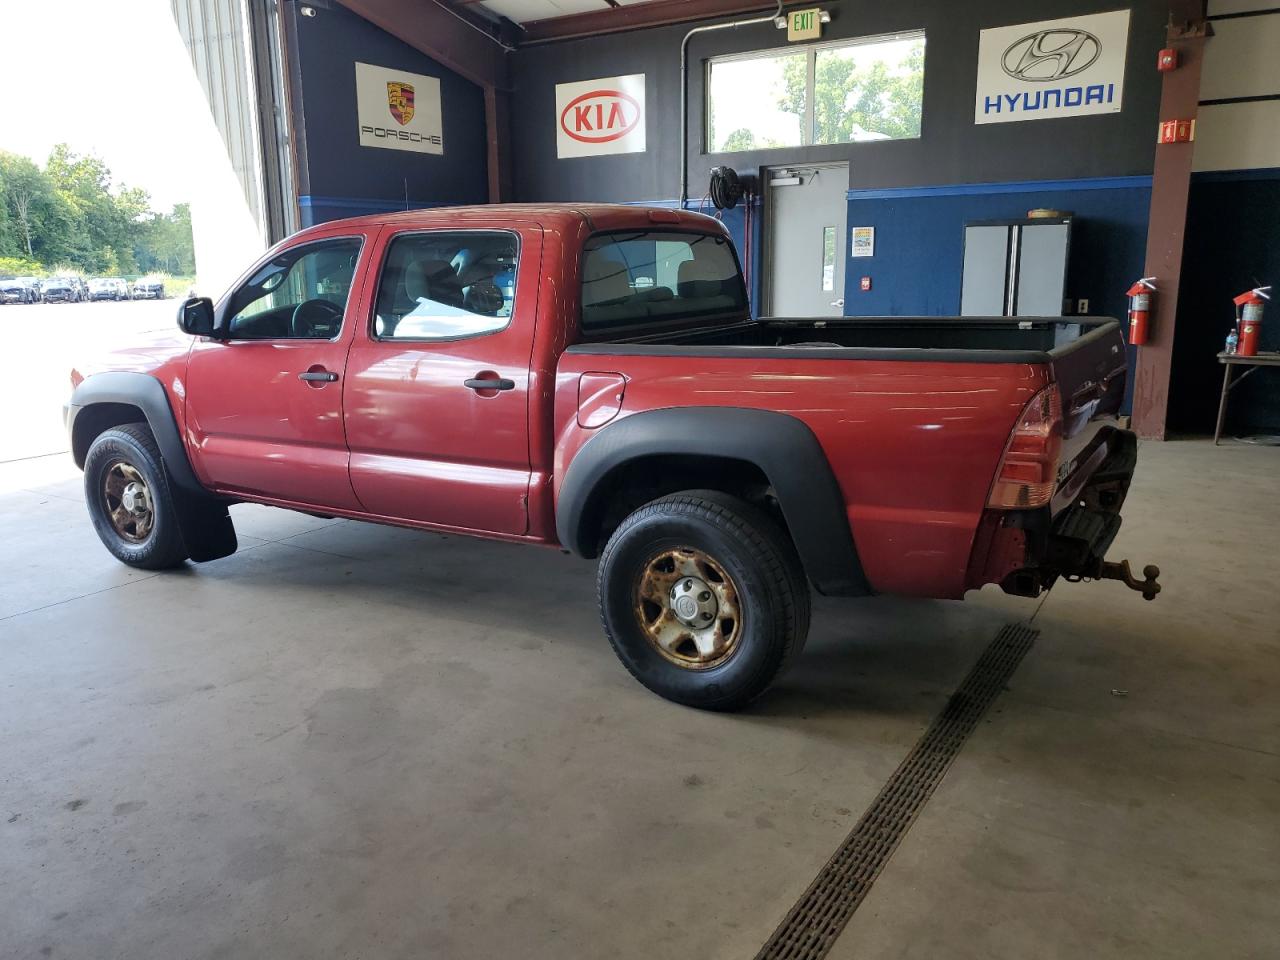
column 354, row 741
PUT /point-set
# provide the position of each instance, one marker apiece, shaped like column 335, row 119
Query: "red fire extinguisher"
column 1249, row 319
column 1140, row 309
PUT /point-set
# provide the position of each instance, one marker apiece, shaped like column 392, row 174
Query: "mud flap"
column 206, row 524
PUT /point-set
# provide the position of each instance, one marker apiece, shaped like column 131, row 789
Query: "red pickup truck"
column 590, row 377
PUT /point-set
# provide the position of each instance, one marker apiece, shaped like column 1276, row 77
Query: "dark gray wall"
column 952, row 149
column 337, row 177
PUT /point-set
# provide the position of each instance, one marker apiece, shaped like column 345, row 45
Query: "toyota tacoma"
column 591, row 378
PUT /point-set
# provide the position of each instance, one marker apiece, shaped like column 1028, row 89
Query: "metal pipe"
column 684, row 88
column 448, row 8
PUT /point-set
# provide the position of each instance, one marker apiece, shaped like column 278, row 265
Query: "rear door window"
column 446, row 285
column 640, row 277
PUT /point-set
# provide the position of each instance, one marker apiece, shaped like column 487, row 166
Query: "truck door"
column 264, row 405
column 436, row 397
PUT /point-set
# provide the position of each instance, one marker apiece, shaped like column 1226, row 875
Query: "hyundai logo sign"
column 1068, row 67
column 1048, row 55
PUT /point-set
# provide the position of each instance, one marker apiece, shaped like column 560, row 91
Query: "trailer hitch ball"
column 1148, row 586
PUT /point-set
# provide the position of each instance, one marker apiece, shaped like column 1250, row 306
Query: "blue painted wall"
column 919, row 244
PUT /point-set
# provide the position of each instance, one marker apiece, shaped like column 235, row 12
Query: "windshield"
column 657, row 277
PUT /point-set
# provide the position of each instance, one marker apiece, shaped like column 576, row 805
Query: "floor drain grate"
column 812, row 925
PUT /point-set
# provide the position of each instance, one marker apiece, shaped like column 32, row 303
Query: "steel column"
column 1170, row 186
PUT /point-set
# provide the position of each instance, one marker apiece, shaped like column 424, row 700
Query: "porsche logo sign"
column 396, row 110
column 400, row 101
column 600, row 117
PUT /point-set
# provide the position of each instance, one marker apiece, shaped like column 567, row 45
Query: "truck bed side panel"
column 913, row 446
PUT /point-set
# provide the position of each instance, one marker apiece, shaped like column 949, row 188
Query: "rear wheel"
column 703, row 598
column 132, row 508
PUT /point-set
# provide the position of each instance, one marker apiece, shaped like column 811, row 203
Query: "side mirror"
column 195, row 317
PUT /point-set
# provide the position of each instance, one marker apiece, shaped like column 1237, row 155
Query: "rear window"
column 641, row 277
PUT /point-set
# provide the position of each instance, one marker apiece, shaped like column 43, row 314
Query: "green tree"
column 70, row 214
column 105, row 223
column 740, row 139
column 849, row 103
column 166, row 243
column 34, row 211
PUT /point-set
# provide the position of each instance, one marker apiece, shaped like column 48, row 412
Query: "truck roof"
column 600, row 216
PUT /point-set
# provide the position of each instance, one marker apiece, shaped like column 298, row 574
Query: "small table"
column 1229, row 360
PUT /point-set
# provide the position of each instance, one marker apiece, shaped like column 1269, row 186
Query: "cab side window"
column 299, row 295
column 446, row 286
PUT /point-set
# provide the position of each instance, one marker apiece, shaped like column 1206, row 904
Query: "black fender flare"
column 781, row 446
column 145, row 392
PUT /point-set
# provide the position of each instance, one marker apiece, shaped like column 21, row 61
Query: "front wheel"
column 130, row 503
column 703, row 598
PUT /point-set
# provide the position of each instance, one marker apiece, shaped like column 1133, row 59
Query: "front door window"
column 299, row 295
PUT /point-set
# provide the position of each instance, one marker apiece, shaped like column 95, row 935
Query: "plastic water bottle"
column 1233, row 341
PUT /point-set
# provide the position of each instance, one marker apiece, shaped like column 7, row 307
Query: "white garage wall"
column 227, row 207
column 1240, row 61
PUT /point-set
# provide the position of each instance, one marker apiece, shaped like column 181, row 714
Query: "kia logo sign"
column 1049, row 55
column 600, row 116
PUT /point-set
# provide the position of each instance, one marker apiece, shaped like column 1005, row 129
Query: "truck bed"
column 913, row 412
column 937, row 339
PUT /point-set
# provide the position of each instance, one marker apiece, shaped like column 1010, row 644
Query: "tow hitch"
column 1106, row 570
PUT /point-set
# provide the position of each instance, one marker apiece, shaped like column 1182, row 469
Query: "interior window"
column 442, row 286
column 658, row 276
column 299, row 295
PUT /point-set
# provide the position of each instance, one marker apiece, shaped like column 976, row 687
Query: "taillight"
column 1029, row 469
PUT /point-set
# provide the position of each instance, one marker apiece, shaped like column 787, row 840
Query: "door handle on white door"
column 838, row 303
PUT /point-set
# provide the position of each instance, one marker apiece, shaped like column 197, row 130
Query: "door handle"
column 323, row 376
column 498, row 383
column 838, row 303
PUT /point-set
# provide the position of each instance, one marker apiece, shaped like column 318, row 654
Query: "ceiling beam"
column 656, row 13
column 442, row 33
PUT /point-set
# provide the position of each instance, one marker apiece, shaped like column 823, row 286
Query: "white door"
column 807, row 244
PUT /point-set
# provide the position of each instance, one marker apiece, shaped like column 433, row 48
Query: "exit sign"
column 804, row 24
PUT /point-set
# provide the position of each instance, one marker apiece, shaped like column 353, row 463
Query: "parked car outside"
column 108, row 288
column 590, row 378
column 148, row 288
column 18, row 290
column 60, row 290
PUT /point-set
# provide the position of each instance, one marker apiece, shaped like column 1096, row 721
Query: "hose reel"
column 727, row 187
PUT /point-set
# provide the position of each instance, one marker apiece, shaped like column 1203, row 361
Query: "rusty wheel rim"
column 128, row 501
column 687, row 606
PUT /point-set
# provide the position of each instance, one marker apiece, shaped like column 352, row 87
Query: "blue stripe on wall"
column 316, row 209
column 1020, row 186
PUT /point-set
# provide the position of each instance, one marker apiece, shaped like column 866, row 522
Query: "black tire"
column 132, row 446
column 764, row 573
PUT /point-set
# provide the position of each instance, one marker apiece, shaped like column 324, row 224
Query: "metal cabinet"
column 1015, row 268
